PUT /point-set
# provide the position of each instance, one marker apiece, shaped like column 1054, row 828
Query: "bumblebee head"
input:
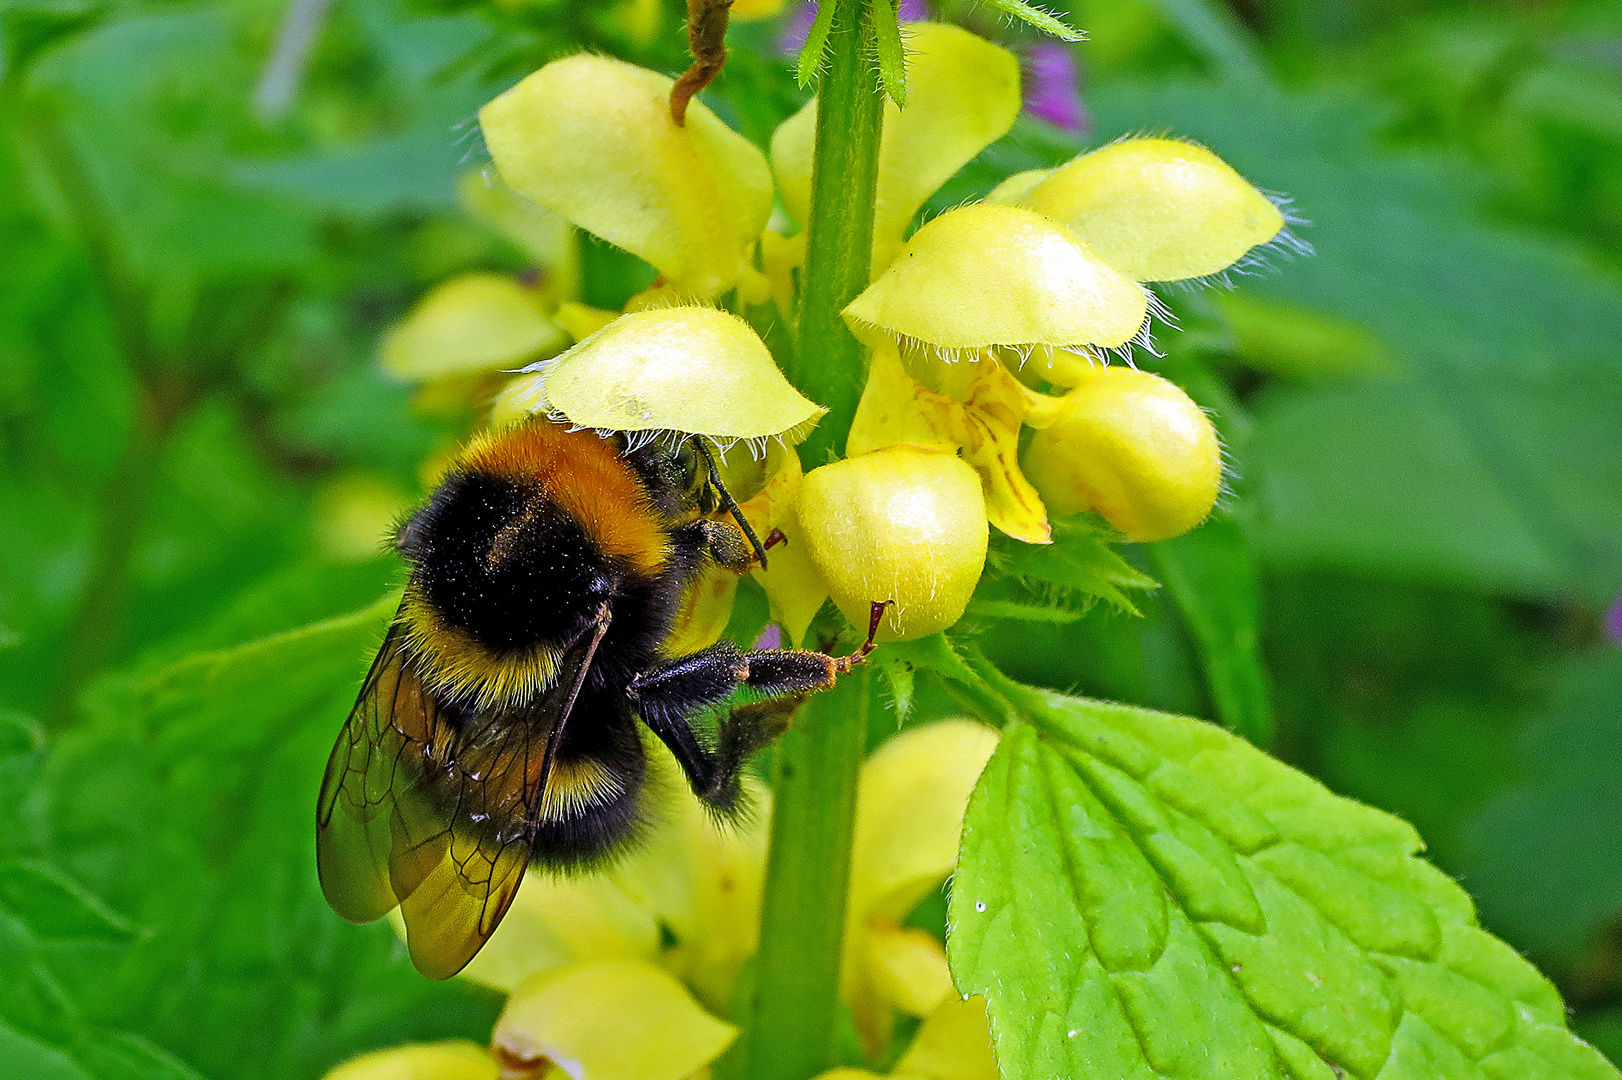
column 703, row 477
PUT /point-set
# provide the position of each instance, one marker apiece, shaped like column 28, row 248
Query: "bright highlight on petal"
column 612, row 1020
column 697, row 370
column 454, row 1060
column 592, row 139
column 472, row 324
column 1133, row 447
column 988, row 275
column 962, row 95
column 901, row 524
column 1158, row 209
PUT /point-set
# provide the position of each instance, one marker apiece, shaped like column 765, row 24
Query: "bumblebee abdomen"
column 504, row 563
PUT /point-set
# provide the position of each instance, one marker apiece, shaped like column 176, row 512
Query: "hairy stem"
column 827, row 364
column 792, row 1018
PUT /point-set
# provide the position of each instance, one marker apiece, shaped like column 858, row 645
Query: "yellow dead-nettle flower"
column 663, row 936
column 1132, row 447
column 473, row 324
column 953, row 1043
column 976, row 405
column 1155, row 209
column 990, row 275
column 904, row 524
column 696, row 370
column 592, row 139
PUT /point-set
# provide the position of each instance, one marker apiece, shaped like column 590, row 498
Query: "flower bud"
column 471, row 324
column 988, row 275
column 1133, row 447
column 592, row 139
column 696, row 370
column 903, row 524
column 1158, row 209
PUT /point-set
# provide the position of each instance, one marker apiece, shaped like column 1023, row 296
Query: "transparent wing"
column 434, row 810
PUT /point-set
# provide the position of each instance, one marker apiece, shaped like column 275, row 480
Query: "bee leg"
column 670, row 693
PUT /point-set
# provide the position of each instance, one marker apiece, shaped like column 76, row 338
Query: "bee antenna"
column 729, row 504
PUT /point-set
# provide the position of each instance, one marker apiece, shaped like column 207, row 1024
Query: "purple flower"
column 1051, row 87
column 1613, row 621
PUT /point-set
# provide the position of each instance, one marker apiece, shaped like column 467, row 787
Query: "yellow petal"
column 556, row 921
column 706, row 606
column 987, row 425
column 1133, row 447
column 1061, row 367
column 1017, row 186
column 902, row 524
column 691, row 369
column 793, row 584
column 988, row 275
column 611, row 1020
column 954, row 1043
column 962, row 95
column 456, row 1059
column 909, row 812
column 891, row 410
column 748, row 10
column 471, row 324
column 592, row 138
column 908, row 968
column 780, row 257
column 544, row 236
column 1158, row 209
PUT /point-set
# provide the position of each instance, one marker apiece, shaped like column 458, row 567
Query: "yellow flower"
column 1155, row 209
column 902, row 524
column 1133, row 447
column 592, row 139
column 662, row 936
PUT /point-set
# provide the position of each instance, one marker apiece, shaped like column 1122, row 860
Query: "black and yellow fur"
column 498, row 726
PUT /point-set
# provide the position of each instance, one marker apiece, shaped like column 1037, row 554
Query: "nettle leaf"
column 1182, row 905
column 1080, row 562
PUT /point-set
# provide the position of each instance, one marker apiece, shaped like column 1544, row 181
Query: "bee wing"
column 436, row 815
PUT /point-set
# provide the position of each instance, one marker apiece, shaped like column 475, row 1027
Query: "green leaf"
column 887, row 49
column 1038, row 18
column 183, row 801
column 54, row 907
column 816, row 42
column 1211, row 576
column 1180, row 904
column 1080, row 560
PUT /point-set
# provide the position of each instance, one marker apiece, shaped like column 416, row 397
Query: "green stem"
column 827, row 364
column 790, row 1029
column 791, row 1021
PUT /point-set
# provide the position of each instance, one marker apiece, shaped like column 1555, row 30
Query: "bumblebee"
column 497, row 726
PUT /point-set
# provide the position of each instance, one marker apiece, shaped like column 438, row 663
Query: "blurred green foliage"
column 1405, row 585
